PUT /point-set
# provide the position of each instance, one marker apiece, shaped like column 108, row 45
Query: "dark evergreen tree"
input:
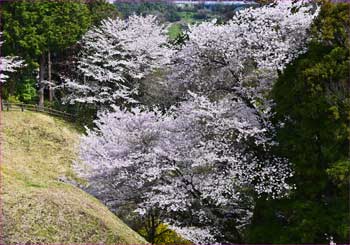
column 312, row 111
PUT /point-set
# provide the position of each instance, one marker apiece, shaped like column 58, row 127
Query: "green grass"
column 187, row 17
column 174, row 31
column 37, row 153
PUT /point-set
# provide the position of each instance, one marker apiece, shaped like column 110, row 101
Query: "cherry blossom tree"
column 114, row 56
column 198, row 164
column 204, row 162
column 8, row 64
column 244, row 53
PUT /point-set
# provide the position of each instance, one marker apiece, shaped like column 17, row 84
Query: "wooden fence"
column 6, row 106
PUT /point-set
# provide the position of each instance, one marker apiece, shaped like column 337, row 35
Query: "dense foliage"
column 312, row 111
column 40, row 32
column 35, row 30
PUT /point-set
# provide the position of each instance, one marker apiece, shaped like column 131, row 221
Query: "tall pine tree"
column 36, row 29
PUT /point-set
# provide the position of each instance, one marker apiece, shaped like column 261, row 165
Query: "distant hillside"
column 183, row 11
column 38, row 206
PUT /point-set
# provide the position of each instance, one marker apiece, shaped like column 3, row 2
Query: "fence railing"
column 6, row 106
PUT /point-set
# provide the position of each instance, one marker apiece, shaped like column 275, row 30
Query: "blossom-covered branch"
column 198, row 163
column 8, row 64
column 114, row 57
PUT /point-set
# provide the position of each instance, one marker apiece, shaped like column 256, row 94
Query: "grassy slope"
column 37, row 206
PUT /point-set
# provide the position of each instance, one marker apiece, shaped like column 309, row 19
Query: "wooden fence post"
column 37, row 108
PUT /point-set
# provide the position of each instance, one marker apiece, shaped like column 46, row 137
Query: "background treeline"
column 179, row 16
column 185, row 12
column 45, row 35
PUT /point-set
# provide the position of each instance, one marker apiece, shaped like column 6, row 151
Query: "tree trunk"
column 51, row 91
column 41, row 79
column 12, row 85
column 0, row 99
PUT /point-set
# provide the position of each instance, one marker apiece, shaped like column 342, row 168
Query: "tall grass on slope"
column 38, row 207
